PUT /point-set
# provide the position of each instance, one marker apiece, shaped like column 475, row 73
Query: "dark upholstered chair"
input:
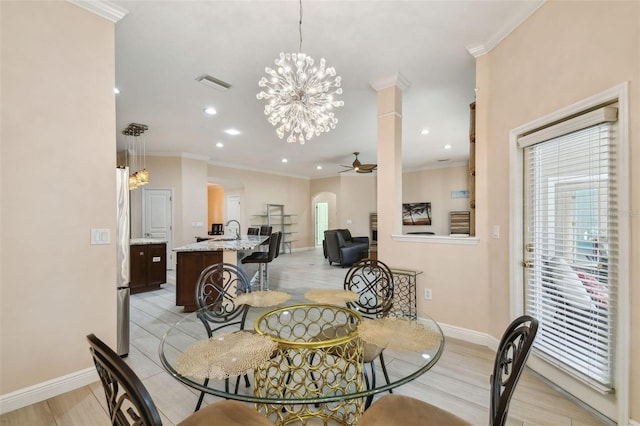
column 129, row 401
column 253, row 230
column 340, row 247
column 216, row 290
column 513, row 351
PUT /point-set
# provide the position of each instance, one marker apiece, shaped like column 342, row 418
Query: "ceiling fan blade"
column 368, row 167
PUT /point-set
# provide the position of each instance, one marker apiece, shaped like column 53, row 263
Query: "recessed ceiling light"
column 210, row 111
column 232, row 132
column 318, row 167
column 116, row 90
column 219, row 145
column 424, row 132
column 284, row 160
column 447, row 146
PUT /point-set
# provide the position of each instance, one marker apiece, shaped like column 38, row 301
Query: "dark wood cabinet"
column 148, row 268
column 190, row 265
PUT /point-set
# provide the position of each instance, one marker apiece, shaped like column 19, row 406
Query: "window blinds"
column 571, row 245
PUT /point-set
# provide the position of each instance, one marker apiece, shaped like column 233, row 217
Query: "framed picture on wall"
column 416, row 214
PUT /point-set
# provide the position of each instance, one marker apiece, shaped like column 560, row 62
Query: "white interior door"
column 233, row 213
column 157, row 218
column 322, row 221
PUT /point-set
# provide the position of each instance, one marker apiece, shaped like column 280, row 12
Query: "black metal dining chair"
column 511, row 357
column 372, row 280
column 130, row 403
column 216, row 290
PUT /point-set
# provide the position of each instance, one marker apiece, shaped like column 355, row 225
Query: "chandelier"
column 136, row 154
column 300, row 95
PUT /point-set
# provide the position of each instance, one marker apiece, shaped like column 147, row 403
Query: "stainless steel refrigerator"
column 122, row 257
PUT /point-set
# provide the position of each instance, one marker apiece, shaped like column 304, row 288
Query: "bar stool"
column 263, row 258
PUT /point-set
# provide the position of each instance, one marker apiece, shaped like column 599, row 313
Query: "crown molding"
column 478, row 49
column 103, row 8
column 396, row 79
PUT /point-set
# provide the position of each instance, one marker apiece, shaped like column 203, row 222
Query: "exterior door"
column 157, row 207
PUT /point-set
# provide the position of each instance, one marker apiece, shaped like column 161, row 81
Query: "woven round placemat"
column 398, row 334
column 224, row 355
column 262, row 299
column 331, row 296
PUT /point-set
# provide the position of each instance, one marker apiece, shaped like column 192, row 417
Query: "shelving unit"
column 373, row 237
column 280, row 222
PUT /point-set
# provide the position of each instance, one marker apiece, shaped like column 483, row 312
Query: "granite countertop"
column 145, row 241
column 246, row 242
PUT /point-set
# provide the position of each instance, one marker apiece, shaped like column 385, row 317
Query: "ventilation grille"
column 211, row 81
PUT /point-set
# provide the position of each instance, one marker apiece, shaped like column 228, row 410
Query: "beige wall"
column 58, row 182
column 194, row 200
column 355, row 200
column 435, row 186
column 260, row 189
column 565, row 52
column 456, row 274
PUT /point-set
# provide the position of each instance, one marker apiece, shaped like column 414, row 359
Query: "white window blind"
column 571, row 243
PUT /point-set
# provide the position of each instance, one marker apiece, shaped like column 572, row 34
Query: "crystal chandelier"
column 300, row 95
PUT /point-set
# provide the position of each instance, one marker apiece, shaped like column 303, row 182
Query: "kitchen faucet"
column 238, row 230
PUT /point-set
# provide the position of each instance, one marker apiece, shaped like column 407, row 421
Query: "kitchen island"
column 193, row 258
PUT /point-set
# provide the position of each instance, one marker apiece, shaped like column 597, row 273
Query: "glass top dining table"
column 403, row 365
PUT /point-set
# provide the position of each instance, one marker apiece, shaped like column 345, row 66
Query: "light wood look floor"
column 459, row 382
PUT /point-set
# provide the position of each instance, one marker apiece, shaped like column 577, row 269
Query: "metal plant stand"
column 404, row 294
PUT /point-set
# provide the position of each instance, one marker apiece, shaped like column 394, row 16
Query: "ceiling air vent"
column 211, row 81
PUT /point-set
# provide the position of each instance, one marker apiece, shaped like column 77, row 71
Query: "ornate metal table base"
column 319, row 354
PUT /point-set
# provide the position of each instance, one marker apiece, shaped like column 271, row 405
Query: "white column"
column 389, row 203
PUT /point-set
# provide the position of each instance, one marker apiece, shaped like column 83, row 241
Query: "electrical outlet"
column 427, row 293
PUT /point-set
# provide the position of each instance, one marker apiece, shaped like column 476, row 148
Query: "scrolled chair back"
column 511, row 357
column 216, row 291
column 128, row 400
column 372, row 280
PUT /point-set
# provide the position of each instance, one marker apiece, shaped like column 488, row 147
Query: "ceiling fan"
column 359, row 167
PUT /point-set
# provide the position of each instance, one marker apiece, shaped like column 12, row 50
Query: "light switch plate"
column 100, row 236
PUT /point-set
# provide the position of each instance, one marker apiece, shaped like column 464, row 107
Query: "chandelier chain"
column 300, row 28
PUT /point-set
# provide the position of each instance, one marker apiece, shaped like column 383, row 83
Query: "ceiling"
column 162, row 46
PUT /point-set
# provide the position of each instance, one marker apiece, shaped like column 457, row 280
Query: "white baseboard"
column 633, row 423
column 467, row 335
column 45, row 390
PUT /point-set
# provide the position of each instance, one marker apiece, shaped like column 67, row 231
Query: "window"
column 571, row 243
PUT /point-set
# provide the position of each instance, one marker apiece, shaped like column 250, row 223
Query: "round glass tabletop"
column 184, row 338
